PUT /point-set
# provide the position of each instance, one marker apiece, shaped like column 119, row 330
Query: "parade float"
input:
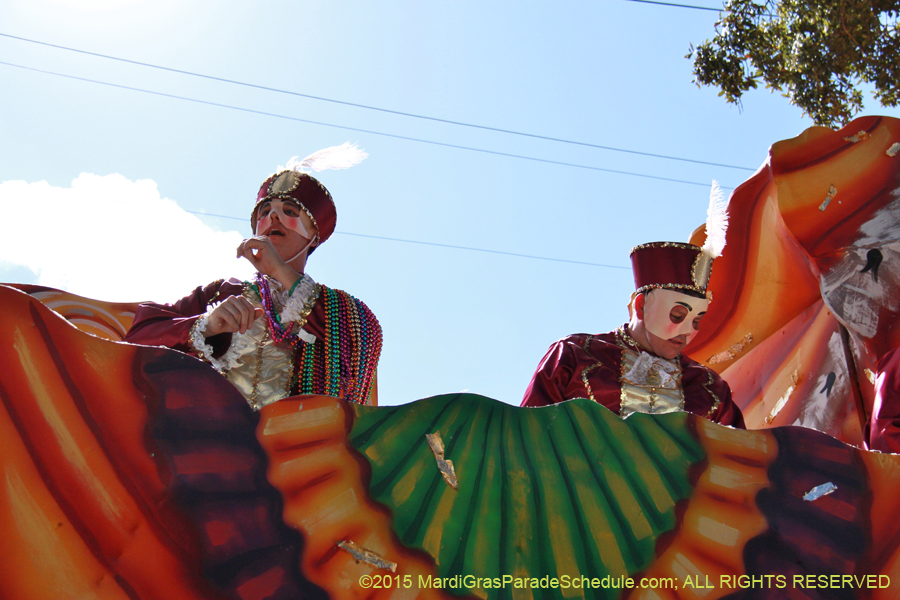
column 139, row 472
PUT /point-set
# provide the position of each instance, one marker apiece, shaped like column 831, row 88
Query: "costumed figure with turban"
column 282, row 333
column 640, row 367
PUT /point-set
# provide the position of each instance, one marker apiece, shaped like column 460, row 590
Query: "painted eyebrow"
column 688, row 306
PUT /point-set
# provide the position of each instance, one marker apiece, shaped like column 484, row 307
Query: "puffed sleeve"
column 728, row 412
column 552, row 377
column 170, row 324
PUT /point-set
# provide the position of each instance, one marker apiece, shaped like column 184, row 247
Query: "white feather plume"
column 336, row 157
column 716, row 222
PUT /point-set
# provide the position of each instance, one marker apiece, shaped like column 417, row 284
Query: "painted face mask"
column 289, row 215
column 668, row 314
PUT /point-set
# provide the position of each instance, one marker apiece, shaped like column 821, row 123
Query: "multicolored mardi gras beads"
column 343, row 363
column 276, row 328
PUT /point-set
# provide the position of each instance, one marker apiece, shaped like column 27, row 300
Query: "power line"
column 672, row 4
column 421, row 243
column 369, row 131
column 719, row 10
column 375, row 108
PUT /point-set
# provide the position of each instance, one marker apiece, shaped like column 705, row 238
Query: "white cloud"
column 109, row 238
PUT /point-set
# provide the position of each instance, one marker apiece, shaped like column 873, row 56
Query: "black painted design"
column 873, row 261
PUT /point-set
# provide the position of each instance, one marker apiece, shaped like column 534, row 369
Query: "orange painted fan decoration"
column 133, row 472
column 140, row 473
column 805, row 293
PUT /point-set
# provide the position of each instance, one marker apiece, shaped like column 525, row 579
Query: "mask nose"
column 686, row 327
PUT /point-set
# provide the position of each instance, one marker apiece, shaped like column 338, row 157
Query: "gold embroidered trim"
column 701, row 271
column 587, row 385
column 597, row 364
column 664, row 245
column 308, row 306
column 717, row 402
column 586, row 346
column 674, row 286
column 281, row 186
column 584, row 372
column 218, row 283
column 316, row 240
column 623, row 340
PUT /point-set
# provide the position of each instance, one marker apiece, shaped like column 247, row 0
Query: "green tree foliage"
column 818, row 53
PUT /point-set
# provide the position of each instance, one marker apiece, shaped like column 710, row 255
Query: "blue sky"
column 610, row 73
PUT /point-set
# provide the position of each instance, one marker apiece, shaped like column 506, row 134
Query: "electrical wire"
column 359, row 130
column 375, row 108
column 676, row 5
column 421, row 243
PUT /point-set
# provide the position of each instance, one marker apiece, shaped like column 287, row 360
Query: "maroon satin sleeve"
column 728, row 412
column 884, row 425
column 315, row 322
column 702, row 387
column 553, row 374
column 170, row 325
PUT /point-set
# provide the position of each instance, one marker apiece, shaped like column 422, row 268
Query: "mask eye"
column 677, row 314
column 696, row 323
column 264, row 210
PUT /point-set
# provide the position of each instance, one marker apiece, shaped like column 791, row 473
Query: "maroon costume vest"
column 590, row 366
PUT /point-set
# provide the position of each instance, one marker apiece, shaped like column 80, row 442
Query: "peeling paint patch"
column 367, row 556
column 819, row 491
column 795, row 380
column 732, row 351
column 444, row 466
column 832, row 192
column 893, row 150
column 858, row 137
column 870, row 375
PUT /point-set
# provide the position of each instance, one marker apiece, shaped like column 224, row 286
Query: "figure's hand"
column 265, row 258
column 236, row 313
column 261, row 254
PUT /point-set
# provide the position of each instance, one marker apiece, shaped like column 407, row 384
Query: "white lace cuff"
column 198, row 341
